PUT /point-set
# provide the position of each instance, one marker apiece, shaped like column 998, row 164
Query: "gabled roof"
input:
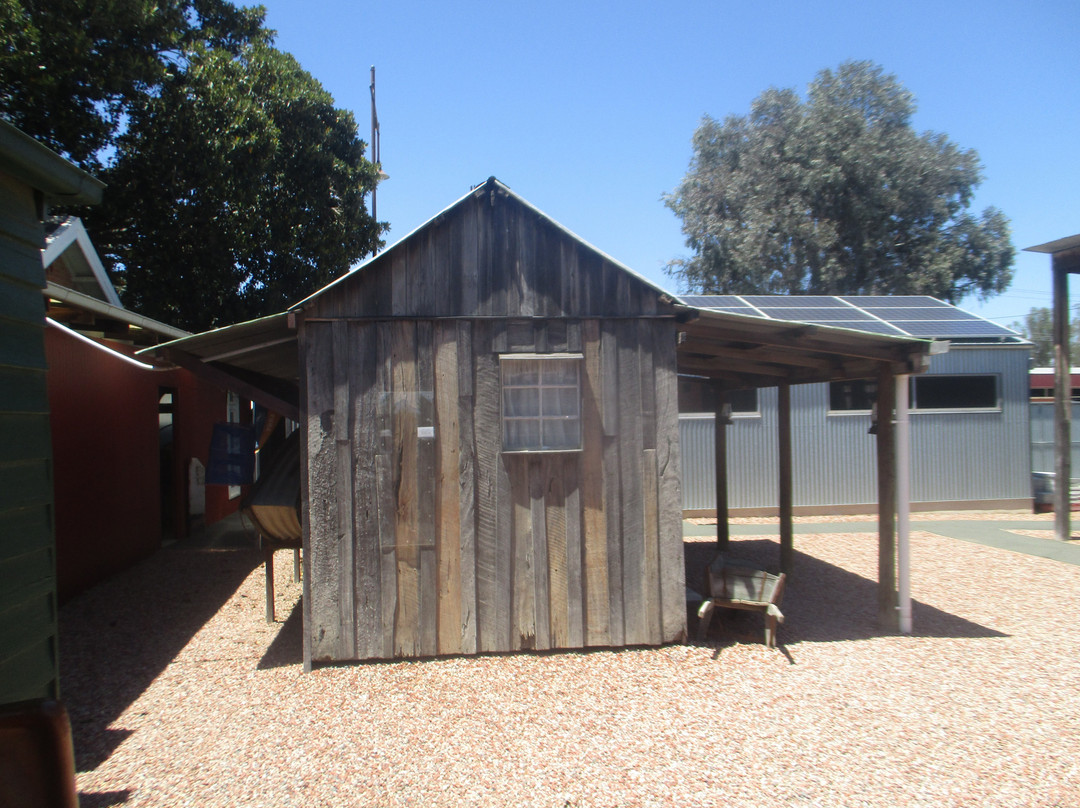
column 69, row 250
column 490, row 186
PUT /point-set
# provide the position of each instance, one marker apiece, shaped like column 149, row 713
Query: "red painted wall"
column 106, row 457
column 105, row 461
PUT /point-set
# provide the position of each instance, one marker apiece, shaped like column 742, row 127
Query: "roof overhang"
column 258, row 359
column 739, row 351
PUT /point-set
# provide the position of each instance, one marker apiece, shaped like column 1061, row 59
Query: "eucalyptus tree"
column 837, row 194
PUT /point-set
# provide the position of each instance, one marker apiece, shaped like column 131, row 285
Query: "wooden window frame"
column 578, row 360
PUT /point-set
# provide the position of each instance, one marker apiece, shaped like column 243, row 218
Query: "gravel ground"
column 181, row 695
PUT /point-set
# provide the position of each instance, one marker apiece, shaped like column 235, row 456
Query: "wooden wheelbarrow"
column 731, row 584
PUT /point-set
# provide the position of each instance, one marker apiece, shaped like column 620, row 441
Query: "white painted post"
column 903, row 503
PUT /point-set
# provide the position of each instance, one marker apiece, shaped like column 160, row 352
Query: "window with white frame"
column 541, row 402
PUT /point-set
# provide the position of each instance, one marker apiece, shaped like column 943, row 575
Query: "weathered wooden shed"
column 490, row 420
column 492, row 445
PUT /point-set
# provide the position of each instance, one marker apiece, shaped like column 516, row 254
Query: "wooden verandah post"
column 787, row 523
column 723, row 529
column 1065, row 257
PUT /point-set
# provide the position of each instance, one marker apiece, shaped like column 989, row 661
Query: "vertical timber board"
column 525, row 262
column 448, row 266
column 504, row 548
column 342, row 370
column 401, row 299
column 651, row 519
column 322, row 494
column 551, row 270
column 422, row 270
column 570, row 297
column 612, row 467
column 500, row 271
column 448, row 488
column 597, row 622
column 484, row 238
column 650, row 515
column 365, row 438
column 467, row 492
column 539, row 472
column 426, row 487
column 469, row 260
column 384, row 481
column 575, row 588
column 523, row 604
column 646, row 350
column 669, row 501
column 487, row 437
column 554, row 506
column 403, row 368
column 631, row 536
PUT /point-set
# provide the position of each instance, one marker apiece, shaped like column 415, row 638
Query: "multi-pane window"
column 854, row 395
column 541, row 402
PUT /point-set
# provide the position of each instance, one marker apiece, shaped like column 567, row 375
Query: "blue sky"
column 586, row 109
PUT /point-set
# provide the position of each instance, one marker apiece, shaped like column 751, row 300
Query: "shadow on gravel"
column 288, row 646
column 103, row 799
column 822, row 602
column 118, row 636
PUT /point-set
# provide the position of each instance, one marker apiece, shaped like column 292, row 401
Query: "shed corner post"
column 886, row 470
column 305, row 516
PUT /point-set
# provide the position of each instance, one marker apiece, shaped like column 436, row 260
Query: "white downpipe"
column 903, row 503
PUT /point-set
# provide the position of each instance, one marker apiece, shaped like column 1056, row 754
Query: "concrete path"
column 992, row 533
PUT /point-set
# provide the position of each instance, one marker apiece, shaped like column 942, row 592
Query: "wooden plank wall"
column 424, row 538
column 28, row 633
column 489, row 256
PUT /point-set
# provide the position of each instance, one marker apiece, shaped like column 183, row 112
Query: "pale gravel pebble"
column 181, row 695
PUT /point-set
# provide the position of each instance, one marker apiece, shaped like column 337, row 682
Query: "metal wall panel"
column 1042, row 436
column 956, row 456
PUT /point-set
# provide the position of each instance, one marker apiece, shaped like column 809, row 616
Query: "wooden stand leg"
column 268, row 554
column 296, row 565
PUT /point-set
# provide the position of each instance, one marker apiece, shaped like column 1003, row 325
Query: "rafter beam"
column 269, row 392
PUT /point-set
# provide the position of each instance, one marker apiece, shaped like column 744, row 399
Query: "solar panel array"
column 901, row 316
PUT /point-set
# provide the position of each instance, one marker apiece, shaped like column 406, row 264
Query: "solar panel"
column 893, row 302
column 917, row 316
column 948, row 330
column 795, row 301
column 924, row 313
column 714, row 301
column 816, row 314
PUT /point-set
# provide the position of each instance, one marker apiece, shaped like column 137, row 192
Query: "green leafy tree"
column 1038, row 326
column 837, row 194
column 237, row 190
column 69, row 70
column 235, row 187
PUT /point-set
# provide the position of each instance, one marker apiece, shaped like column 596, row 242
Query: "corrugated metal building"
column 967, row 452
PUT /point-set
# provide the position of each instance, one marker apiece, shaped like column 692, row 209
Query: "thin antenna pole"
column 374, row 147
